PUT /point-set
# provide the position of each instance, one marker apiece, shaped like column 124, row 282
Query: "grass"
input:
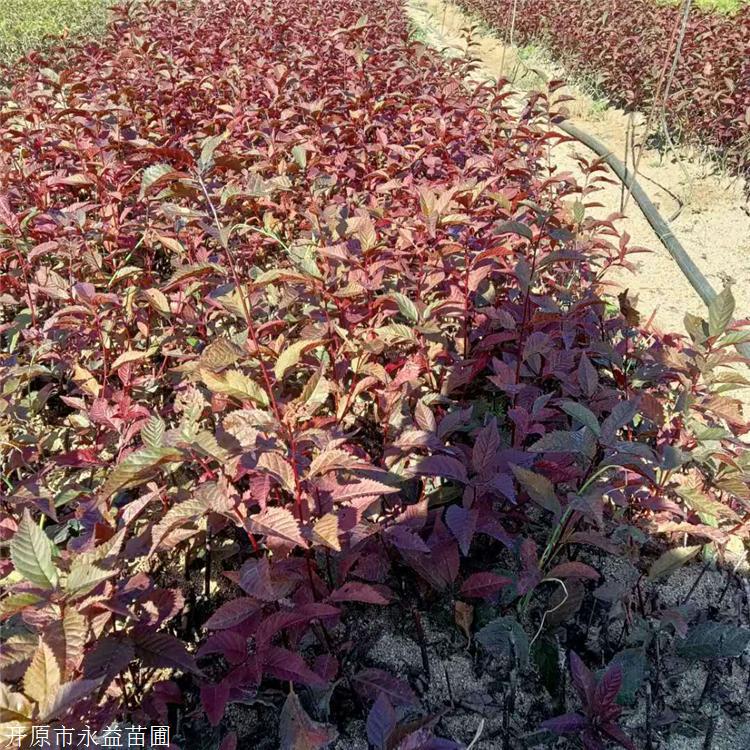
column 721, row 6
column 24, row 24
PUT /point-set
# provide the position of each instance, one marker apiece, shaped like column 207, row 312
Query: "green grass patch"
column 720, row 6
column 24, row 24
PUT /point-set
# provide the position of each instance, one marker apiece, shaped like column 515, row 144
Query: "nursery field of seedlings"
column 316, row 427
column 627, row 49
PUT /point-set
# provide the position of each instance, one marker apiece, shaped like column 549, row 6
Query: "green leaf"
column 152, row 432
column 735, row 337
column 17, row 602
column 696, row 327
column 299, row 154
column 704, row 504
column 546, row 655
column 395, row 333
column 206, row 159
column 633, row 667
column 505, row 637
column 235, row 384
column 84, row 578
column 67, row 695
column 138, row 467
column 405, row 306
column 291, row 356
column 583, row 414
column 720, row 312
column 151, row 175
column 302, row 254
column 314, row 394
column 714, row 640
column 540, row 489
column 514, row 227
column 31, row 552
column 671, row 560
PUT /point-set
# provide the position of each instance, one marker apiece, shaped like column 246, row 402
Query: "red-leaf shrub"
column 288, row 310
column 623, row 46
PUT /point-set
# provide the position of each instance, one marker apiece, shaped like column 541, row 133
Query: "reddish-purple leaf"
column 298, row 616
column 232, row 646
column 354, row 591
column 372, row 682
column 485, row 447
column 606, row 691
column 327, row 666
column 618, row 735
column 583, row 680
column 163, row 650
column 255, row 579
column 405, row 539
column 573, row 570
column 442, row 466
column 381, row 721
column 288, row 665
column 214, row 700
column 565, row 724
column 232, row 613
column 463, row 523
column 484, row 585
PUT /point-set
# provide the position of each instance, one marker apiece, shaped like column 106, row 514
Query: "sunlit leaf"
column 31, row 553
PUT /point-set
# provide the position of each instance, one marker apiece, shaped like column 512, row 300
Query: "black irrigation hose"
column 693, row 274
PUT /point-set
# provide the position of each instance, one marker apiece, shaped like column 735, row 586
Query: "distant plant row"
column 294, row 322
column 625, row 47
column 26, row 24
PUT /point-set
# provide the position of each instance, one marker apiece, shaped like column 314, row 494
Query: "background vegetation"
column 723, row 6
column 24, row 24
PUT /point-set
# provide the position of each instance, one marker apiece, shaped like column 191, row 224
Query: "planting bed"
column 316, row 430
column 622, row 47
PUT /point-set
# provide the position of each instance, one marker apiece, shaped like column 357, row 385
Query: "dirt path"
column 714, row 225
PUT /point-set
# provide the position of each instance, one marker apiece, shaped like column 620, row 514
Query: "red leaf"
column 485, row 447
column 484, row 585
column 573, row 570
column 301, row 615
column 608, row 688
column 354, row 591
column 232, row 613
column 163, row 650
column 462, row 523
column 286, row 665
column 371, row 682
column 214, row 700
column 442, row 466
column 583, row 680
column 381, row 721
column 232, row 646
